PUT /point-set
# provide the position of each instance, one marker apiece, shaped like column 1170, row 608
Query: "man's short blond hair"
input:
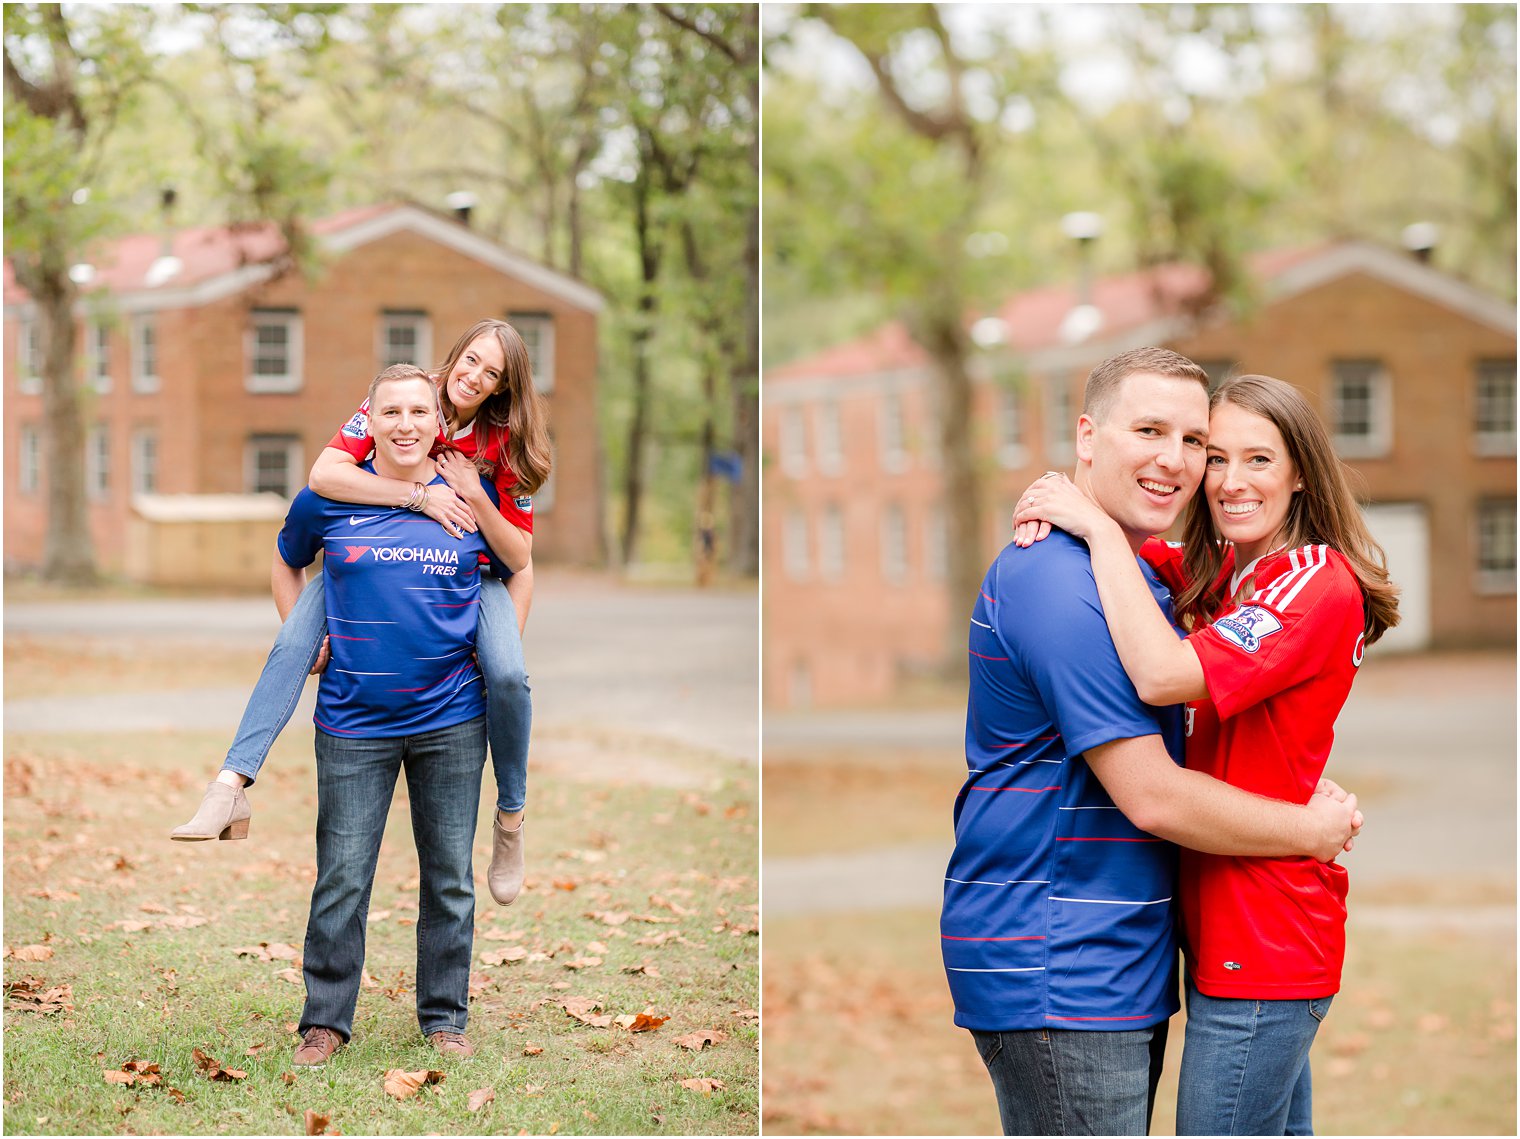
column 1104, row 380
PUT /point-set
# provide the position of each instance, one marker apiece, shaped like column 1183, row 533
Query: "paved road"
column 1431, row 740
column 672, row 667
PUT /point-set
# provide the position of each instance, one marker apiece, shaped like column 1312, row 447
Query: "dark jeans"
column 1057, row 1081
column 356, row 780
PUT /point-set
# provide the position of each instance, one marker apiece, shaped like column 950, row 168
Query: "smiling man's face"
column 1144, row 456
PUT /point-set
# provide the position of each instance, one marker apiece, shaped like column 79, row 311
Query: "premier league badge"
column 1248, row 627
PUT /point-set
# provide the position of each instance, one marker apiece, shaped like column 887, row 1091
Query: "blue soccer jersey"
column 403, row 599
column 1058, row 910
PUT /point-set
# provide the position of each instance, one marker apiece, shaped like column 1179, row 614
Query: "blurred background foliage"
column 1197, row 132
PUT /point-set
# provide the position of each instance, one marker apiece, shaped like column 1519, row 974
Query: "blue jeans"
column 1058, row 1081
column 1245, row 1065
column 509, row 703
column 356, row 780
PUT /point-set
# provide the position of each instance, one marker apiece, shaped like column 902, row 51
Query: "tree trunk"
column 706, row 528
column 942, row 332
column 649, row 269
column 68, row 549
column 744, row 496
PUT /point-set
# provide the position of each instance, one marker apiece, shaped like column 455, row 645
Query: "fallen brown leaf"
column 30, row 994
column 508, row 956
column 696, row 1041
column 583, row 963
column 31, row 953
column 153, row 908
column 646, row 968
column 584, row 1009
column 749, row 1014
column 112, row 1076
column 288, row 1077
column 53, row 895
column 608, row 917
column 646, row 1023
column 533, row 1050
column 176, row 1095
column 704, row 1084
column 403, row 1085
column 479, row 1098
column 316, row 1124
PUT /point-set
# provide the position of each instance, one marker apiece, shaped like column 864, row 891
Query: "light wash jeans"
column 1061, row 1081
column 356, row 780
column 509, row 702
column 1245, row 1065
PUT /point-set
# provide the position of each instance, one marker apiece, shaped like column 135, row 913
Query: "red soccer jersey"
column 1278, row 666
column 355, row 438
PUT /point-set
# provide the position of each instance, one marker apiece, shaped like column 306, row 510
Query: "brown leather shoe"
column 451, row 1043
column 317, row 1047
column 505, row 878
column 224, row 813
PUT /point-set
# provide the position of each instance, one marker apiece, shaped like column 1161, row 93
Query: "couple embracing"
column 424, row 519
column 1147, row 730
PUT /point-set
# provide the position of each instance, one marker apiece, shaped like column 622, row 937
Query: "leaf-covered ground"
column 153, row 987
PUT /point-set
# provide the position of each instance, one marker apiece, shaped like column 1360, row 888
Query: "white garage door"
column 1403, row 530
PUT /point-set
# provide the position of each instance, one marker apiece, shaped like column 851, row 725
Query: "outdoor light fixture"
column 1420, row 238
column 989, row 332
column 1082, row 226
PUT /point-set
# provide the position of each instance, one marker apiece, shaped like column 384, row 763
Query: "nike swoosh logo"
column 353, row 521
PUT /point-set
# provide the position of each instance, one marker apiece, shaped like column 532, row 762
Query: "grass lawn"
column 122, row 946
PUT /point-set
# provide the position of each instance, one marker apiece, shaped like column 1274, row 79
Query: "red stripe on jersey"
column 1108, row 840
column 1025, row 790
column 341, row 637
column 1027, row 937
column 1141, row 1017
column 1026, row 743
column 976, row 654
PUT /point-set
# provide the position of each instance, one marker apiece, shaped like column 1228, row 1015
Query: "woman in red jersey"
column 1283, row 588
column 494, row 423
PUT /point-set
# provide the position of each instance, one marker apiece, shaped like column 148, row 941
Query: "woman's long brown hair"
column 1324, row 512
column 515, row 405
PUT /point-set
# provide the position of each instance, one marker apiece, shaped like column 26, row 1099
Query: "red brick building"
column 207, row 374
column 1413, row 369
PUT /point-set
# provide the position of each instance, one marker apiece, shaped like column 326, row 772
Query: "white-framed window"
column 1011, row 451
column 830, row 445
column 29, row 472
column 405, row 338
column 793, row 440
column 145, row 461
column 894, row 544
column 273, row 351
column 272, row 464
column 1494, row 407
column 145, row 354
column 537, row 332
column 794, row 546
column 1496, row 545
column 831, row 550
column 97, row 462
column 1361, row 409
column 936, row 546
column 97, row 355
column 1060, row 422
column 893, row 434
column 29, row 358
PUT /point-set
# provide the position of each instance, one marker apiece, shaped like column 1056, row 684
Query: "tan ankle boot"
column 224, row 813
column 505, row 878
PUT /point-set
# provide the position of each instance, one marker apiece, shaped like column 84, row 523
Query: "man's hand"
column 1333, row 789
column 324, row 655
column 1336, row 820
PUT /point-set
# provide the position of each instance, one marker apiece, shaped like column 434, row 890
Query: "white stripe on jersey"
column 1031, row 969
column 346, row 621
column 445, row 656
column 1111, row 901
column 1306, row 563
column 974, row 621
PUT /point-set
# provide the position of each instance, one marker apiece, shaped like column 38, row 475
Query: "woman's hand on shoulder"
column 1054, row 500
column 450, row 511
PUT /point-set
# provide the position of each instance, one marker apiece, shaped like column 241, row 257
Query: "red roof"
column 204, row 252
column 1034, row 317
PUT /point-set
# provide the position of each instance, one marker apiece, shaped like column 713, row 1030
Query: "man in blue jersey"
column 401, row 691
column 1057, row 928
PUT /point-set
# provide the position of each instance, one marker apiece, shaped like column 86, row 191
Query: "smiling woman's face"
column 1249, row 480
column 477, row 373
